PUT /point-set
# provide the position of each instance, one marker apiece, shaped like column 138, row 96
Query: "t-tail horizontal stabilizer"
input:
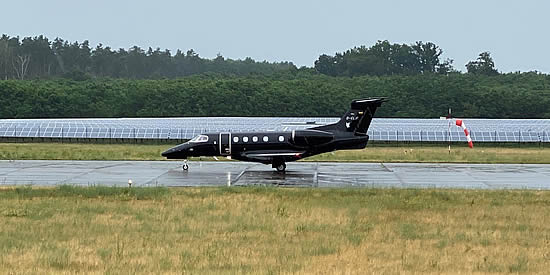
column 358, row 118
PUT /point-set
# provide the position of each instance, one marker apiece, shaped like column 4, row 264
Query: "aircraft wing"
column 266, row 156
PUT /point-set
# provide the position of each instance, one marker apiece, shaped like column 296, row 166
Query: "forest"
column 518, row 95
column 46, row 79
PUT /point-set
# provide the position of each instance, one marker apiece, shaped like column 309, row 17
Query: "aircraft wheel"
column 281, row 167
column 185, row 167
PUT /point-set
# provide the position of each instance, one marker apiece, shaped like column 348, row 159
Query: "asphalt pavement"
column 299, row 174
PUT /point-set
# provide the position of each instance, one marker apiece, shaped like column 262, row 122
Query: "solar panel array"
column 382, row 129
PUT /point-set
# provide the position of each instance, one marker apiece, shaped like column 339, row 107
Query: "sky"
column 516, row 33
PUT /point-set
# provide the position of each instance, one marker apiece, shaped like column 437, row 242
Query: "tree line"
column 385, row 58
column 40, row 58
column 513, row 95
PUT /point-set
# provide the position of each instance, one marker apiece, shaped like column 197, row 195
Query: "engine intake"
column 305, row 138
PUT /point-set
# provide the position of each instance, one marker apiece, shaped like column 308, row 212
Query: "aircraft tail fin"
column 358, row 118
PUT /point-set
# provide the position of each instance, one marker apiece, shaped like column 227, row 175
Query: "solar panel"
column 382, row 129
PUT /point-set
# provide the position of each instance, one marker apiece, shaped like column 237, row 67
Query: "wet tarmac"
column 302, row 174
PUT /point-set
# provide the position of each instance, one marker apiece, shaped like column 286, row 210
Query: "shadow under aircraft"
column 278, row 148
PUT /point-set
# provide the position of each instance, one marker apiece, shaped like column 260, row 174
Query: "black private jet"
column 277, row 148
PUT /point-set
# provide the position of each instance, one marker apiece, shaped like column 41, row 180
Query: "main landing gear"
column 185, row 166
column 281, row 167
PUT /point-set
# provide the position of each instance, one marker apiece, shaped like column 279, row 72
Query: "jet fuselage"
column 266, row 147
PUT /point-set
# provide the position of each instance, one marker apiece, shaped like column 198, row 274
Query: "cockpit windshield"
column 199, row 138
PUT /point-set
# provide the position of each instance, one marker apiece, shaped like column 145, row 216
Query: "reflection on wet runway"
column 299, row 174
column 290, row 178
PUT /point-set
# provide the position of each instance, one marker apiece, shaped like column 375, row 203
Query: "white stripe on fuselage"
column 273, row 154
column 365, row 100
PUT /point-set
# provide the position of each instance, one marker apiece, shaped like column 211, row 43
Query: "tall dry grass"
column 270, row 230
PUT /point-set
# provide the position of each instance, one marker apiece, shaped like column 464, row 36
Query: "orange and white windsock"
column 461, row 124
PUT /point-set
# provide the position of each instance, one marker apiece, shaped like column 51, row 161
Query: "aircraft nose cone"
column 175, row 152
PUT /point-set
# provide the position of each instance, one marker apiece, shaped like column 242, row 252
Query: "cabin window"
column 235, row 139
column 281, row 138
column 265, row 139
column 245, row 139
column 255, row 139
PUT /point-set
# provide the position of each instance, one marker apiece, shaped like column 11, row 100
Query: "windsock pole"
column 449, row 117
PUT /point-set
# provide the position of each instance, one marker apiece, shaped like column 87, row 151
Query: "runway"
column 299, row 174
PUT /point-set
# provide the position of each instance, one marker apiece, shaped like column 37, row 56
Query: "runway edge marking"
column 396, row 174
column 241, row 174
column 385, row 167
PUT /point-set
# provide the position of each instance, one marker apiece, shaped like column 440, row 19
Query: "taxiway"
column 303, row 174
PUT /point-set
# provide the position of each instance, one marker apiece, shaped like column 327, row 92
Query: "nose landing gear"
column 185, row 166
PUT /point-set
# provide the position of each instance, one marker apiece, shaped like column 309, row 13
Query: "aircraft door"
column 225, row 144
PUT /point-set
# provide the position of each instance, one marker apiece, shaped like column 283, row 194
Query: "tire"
column 281, row 167
column 185, row 167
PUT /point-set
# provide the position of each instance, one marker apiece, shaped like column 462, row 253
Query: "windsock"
column 461, row 124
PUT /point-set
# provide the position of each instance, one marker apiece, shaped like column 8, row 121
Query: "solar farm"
column 382, row 129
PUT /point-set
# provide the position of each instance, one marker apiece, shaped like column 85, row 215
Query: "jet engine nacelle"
column 305, row 138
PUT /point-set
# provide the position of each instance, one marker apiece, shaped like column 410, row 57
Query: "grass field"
column 412, row 153
column 272, row 230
